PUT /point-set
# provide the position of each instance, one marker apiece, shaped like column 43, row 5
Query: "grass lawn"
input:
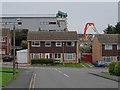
column 6, row 75
column 107, row 73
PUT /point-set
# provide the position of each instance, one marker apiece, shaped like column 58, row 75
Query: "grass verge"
column 7, row 75
column 106, row 73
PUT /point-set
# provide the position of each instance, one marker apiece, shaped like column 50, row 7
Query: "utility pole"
column 63, row 53
column 14, row 70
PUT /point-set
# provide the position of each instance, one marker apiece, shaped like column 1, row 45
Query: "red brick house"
column 106, row 47
column 58, row 45
column 5, row 42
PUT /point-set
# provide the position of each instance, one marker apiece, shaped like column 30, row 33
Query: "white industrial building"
column 43, row 22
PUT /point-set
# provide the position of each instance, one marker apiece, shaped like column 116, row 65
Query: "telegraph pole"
column 14, row 70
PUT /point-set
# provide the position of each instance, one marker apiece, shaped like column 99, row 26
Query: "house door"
column 48, row 55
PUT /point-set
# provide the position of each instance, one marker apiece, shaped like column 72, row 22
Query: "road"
column 51, row 77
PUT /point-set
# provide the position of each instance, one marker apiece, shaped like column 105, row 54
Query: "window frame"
column 2, row 39
column 67, row 55
column 71, row 44
column 47, row 45
column 107, row 47
column 2, row 51
column 57, row 54
column 33, row 45
column 118, row 46
column 39, row 55
column 60, row 44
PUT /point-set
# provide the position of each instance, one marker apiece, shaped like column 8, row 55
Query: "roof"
column 28, row 15
column 45, row 35
column 4, row 31
column 108, row 38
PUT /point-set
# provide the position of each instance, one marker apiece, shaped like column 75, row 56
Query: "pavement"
column 111, row 77
column 23, row 80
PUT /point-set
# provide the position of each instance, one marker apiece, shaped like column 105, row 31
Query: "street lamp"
column 19, row 22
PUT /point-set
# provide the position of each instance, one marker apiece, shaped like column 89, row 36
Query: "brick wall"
column 96, row 50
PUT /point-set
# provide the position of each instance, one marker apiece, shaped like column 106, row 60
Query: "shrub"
column 117, row 69
column 111, row 67
column 42, row 61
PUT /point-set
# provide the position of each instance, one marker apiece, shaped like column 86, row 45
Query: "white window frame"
column 33, row 45
column 57, row 54
column 67, row 55
column 58, row 44
column 108, row 47
column 118, row 46
column 47, row 45
column 72, row 44
column 2, row 51
column 39, row 55
column 2, row 39
column 109, row 58
column 47, row 55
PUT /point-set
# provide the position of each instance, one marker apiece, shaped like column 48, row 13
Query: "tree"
column 24, row 44
column 19, row 36
column 110, row 30
column 118, row 28
column 113, row 29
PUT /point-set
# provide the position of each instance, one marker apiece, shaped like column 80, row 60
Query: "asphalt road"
column 51, row 77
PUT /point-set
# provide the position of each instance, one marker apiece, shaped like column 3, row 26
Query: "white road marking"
column 66, row 75
column 61, row 72
column 32, row 82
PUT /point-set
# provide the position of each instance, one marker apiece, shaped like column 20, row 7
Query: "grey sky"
column 79, row 13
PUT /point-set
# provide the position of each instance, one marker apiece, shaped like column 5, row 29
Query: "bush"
column 42, row 61
column 117, row 69
column 111, row 67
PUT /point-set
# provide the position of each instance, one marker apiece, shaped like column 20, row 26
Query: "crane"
column 92, row 26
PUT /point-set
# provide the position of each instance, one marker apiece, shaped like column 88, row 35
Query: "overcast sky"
column 79, row 13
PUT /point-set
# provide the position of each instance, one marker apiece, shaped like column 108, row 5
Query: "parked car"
column 7, row 58
column 99, row 63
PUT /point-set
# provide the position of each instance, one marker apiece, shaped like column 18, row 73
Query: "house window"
column 2, row 51
column 107, row 58
column 48, row 55
column 69, row 56
column 108, row 47
column 57, row 56
column 36, row 55
column 52, row 23
column 48, row 44
column 58, row 44
column 118, row 47
column 35, row 44
column 70, row 44
column 2, row 39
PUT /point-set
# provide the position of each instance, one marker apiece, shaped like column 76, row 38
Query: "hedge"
column 42, row 61
column 114, row 68
column 117, row 69
column 111, row 67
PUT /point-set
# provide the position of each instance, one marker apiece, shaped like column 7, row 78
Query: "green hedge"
column 114, row 68
column 42, row 61
column 117, row 69
column 111, row 67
